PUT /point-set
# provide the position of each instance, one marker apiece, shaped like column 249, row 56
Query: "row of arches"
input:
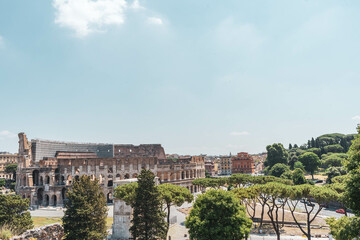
column 49, row 200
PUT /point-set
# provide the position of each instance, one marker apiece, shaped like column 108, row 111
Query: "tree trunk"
column 308, row 227
column 262, row 215
column 168, row 219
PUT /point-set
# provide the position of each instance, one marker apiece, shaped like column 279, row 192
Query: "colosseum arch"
column 47, row 200
column 118, row 176
column 35, row 177
column 127, row 176
column 47, row 179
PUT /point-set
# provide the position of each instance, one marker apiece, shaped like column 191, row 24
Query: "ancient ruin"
column 46, row 169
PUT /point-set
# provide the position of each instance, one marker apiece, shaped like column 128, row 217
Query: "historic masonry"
column 46, row 169
column 6, row 159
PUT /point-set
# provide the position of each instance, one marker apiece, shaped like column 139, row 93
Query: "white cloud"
column 87, row 16
column 155, row 20
column 243, row 133
column 356, row 117
column 136, row 5
column 8, row 134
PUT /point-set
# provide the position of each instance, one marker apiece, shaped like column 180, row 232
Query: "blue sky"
column 196, row 76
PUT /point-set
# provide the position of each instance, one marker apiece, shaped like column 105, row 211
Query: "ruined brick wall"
column 48, row 232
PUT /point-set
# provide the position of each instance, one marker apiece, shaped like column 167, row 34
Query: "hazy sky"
column 196, row 76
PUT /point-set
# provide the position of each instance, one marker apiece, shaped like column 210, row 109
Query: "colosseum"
column 46, row 169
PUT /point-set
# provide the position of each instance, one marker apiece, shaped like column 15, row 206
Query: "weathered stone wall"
column 48, row 232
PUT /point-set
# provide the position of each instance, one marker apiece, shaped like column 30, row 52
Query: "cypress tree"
column 148, row 221
column 86, row 211
column 309, row 144
column 290, row 146
column 313, row 142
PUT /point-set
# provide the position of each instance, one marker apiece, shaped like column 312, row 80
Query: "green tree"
column 14, row 213
column 345, row 228
column 310, row 161
column 298, row 177
column 290, row 146
column 11, row 169
column 247, row 197
column 2, row 182
column 148, row 218
column 126, row 193
column 277, row 195
column 217, row 214
column 287, row 175
column 278, row 169
column 332, row 172
column 174, row 195
column 86, row 211
column 336, row 148
column 309, row 194
column 353, row 182
column 276, row 153
column 299, row 165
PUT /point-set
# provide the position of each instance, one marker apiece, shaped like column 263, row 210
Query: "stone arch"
column 41, row 182
column 24, row 181
column 77, row 170
column 40, row 197
column 47, row 200
column 62, row 180
column 57, row 176
column 134, row 175
column 110, row 183
column 191, row 174
column 63, row 194
column 127, row 176
column 109, row 197
column 182, row 175
column 118, row 176
column 47, row 179
column 54, row 200
column 35, row 174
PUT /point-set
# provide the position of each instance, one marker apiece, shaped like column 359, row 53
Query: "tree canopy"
column 276, row 153
column 278, row 169
column 217, row 214
column 310, row 161
column 148, row 218
column 86, row 211
column 14, row 213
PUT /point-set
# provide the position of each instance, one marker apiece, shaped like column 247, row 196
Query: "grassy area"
column 42, row 221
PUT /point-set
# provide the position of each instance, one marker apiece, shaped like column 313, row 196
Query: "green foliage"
column 2, row 182
column 353, row 182
column 276, row 153
column 13, row 213
column 298, row 177
column 86, row 211
column 332, row 172
column 174, row 195
column 310, row 161
column 333, row 159
column 287, row 175
column 339, row 179
column 278, row 169
column 126, row 193
column 148, row 218
column 345, row 228
column 336, row 148
column 217, row 214
column 6, row 232
column 299, row 165
column 11, row 168
column 317, row 151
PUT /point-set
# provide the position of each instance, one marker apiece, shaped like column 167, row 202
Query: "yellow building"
column 225, row 165
column 6, row 159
